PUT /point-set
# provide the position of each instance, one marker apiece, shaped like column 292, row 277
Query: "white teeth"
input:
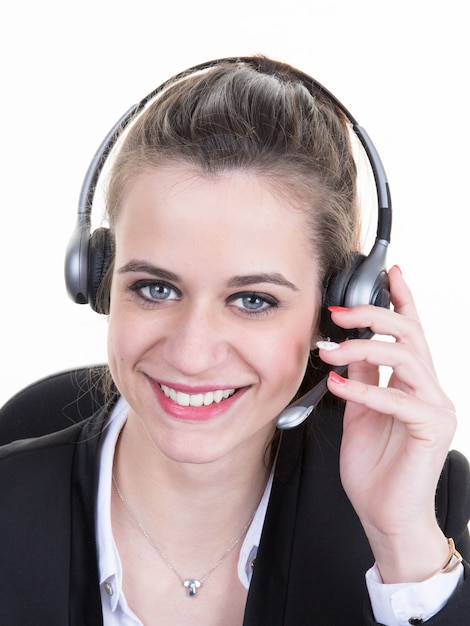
column 218, row 395
column 197, row 399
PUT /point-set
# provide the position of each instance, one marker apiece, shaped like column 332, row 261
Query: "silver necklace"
column 191, row 584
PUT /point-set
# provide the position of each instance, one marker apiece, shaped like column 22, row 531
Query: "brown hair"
column 255, row 115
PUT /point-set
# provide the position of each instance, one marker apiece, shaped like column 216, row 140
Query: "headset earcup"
column 334, row 293
column 100, row 255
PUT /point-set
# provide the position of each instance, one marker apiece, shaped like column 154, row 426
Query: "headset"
column 363, row 280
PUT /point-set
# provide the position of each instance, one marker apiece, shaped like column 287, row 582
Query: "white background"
column 70, row 69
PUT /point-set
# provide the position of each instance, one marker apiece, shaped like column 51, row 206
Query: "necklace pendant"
column 192, row 585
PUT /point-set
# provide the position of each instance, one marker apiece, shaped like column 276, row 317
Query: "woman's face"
column 213, row 303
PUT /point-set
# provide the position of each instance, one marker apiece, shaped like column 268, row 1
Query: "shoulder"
column 454, row 481
column 33, row 458
column 453, row 499
column 47, row 487
column 39, row 477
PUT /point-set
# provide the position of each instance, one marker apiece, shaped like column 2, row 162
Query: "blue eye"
column 254, row 303
column 154, row 291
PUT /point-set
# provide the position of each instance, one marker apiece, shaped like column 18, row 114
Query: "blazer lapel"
column 84, row 561
column 313, row 550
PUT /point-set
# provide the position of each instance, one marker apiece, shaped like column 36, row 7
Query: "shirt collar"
column 109, row 563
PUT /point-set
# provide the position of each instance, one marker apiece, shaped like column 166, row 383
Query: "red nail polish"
column 338, row 309
column 336, row 378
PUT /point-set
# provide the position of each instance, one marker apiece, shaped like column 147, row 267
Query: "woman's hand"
column 395, row 438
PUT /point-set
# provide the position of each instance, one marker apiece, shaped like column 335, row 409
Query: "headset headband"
column 76, row 265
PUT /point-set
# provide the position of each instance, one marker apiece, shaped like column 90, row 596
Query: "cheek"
column 127, row 332
column 117, row 349
column 283, row 361
column 125, row 341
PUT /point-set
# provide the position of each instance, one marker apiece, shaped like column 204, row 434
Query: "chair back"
column 52, row 403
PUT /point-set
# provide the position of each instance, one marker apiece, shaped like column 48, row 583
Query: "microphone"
column 298, row 411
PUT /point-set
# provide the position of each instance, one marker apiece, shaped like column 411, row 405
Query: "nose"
column 198, row 341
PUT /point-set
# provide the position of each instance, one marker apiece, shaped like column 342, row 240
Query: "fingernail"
column 338, row 309
column 336, row 378
column 327, row 345
column 397, row 267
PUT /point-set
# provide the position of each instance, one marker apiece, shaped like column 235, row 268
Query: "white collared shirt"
column 393, row 605
column 116, row 612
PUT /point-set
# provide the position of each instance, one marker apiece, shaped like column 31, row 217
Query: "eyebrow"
column 245, row 280
column 148, row 268
column 273, row 278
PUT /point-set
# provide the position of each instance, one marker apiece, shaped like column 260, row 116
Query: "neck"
column 189, row 501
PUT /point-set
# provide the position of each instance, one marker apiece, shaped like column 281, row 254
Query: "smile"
column 197, row 399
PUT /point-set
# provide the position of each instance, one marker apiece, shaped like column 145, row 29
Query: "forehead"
column 179, row 189
column 177, row 209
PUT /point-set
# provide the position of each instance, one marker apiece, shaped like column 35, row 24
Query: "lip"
column 191, row 413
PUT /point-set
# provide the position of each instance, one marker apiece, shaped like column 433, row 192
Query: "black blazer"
column 311, row 561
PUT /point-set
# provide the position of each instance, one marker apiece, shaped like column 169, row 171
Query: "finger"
column 423, row 420
column 364, row 371
column 412, row 372
column 405, row 330
column 401, row 296
column 404, row 305
column 381, row 321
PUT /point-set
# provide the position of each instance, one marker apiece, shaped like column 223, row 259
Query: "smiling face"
column 214, row 300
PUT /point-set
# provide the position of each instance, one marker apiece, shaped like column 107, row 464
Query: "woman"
column 231, row 201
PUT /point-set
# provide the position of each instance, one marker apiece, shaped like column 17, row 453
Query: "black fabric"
column 48, row 564
column 52, row 403
column 313, row 553
column 100, row 255
column 328, row 549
